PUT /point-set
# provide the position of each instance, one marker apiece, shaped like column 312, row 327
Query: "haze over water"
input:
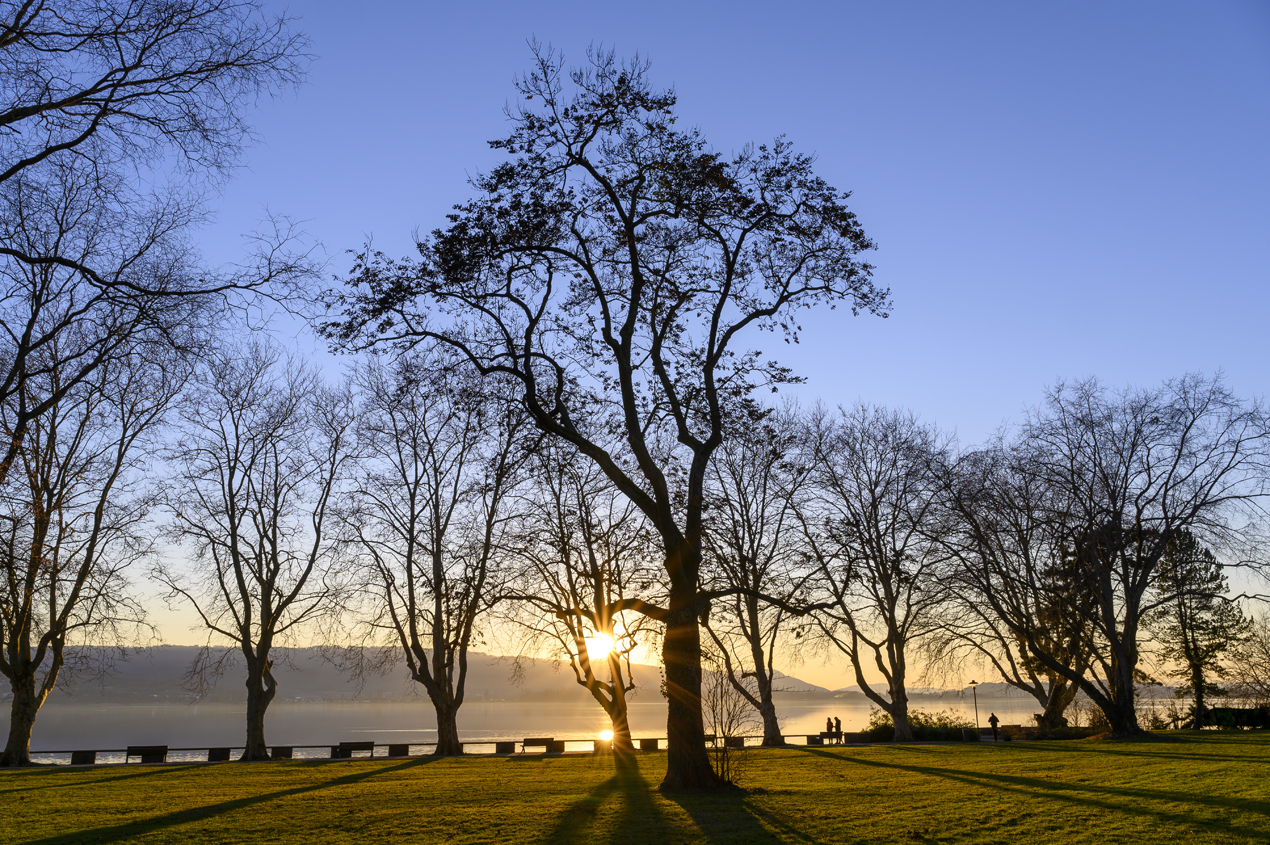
column 72, row 726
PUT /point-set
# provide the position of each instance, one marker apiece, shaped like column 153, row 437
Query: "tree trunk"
column 622, row 742
column 22, row 712
column 448, row 744
column 772, row 736
column 261, row 688
column 1061, row 695
column 687, row 764
column 903, row 730
column 1201, row 706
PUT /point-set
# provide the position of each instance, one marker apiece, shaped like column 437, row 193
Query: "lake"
column 70, row 726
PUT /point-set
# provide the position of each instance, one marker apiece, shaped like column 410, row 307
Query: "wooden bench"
column 734, row 742
column 83, row 758
column 345, row 749
column 649, row 744
column 549, row 745
column 280, row 752
column 147, row 753
column 397, row 750
column 217, row 755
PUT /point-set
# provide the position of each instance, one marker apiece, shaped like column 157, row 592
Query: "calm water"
column 66, row 727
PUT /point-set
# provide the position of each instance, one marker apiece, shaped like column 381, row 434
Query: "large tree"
column 588, row 564
column 97, row 101
column 439, row 457
column 72, row 520
column 616, row 260
column 754, row 553
column 872, row 518
column 1124, row 473
column 258, row 459
column 1014, row 582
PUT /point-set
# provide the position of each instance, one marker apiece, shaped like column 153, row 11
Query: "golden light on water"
column 599, row 646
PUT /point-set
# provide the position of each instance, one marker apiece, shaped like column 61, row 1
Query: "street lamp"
column 975, row 692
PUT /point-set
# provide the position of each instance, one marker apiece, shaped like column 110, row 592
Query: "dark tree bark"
column 608, row 270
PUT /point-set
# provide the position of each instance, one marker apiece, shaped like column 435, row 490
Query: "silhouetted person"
column 829, row 727
column 993, row 720
column 837, row 729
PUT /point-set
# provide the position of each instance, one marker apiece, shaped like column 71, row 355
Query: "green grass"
column 1193, row 789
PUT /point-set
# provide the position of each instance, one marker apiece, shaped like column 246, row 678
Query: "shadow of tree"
column 133, row 829
column 1094, row 796
column 90, row 777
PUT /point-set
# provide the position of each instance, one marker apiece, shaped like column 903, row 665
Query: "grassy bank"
column 1210, row 788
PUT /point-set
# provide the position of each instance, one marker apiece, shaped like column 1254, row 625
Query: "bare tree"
column 439, row 457
column 1013, row 574
column 90, row 94
column 1124, row 473
column 755, row 554
column 616, row 261
column 261, row 452
column 590, row 563
column 872, row 518
column 1250, row 664
column 729, row 715
column 72, row 517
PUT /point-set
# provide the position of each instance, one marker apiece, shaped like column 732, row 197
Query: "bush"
column 941, row 725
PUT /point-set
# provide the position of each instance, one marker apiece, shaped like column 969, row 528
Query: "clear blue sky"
column 1057, row 189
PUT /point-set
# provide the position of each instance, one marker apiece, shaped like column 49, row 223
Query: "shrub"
column 940, row 725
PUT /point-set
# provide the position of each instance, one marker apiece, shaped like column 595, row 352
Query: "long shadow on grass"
column 1088, row 794
column 1129, row 748
column 64, row 782
column 636, row 815
column 130, row 830
column 733, row 815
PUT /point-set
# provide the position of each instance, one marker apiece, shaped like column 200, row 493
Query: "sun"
column 599, row 646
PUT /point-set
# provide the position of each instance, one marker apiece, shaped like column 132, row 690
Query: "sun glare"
column 607, row 736
column 599, row 646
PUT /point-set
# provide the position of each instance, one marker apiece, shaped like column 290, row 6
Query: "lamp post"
column 975, row 692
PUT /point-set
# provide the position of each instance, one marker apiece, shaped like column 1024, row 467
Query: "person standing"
column 837, row 730
column 993, row 720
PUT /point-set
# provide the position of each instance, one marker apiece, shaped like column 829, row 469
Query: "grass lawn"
column 1195, row 789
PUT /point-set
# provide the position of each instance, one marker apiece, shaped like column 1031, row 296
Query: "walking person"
column 992, row 720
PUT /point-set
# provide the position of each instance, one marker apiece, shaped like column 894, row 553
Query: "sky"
column 1057, row 190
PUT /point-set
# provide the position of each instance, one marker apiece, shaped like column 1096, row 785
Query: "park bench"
column 217, row 755
column 397, row 750
column 550, row 745
column 734, row 742
column 505, row 747
column 83, row 758
column 147, row 753
column 345, row 749
column 280, row 752
column 648, row 744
